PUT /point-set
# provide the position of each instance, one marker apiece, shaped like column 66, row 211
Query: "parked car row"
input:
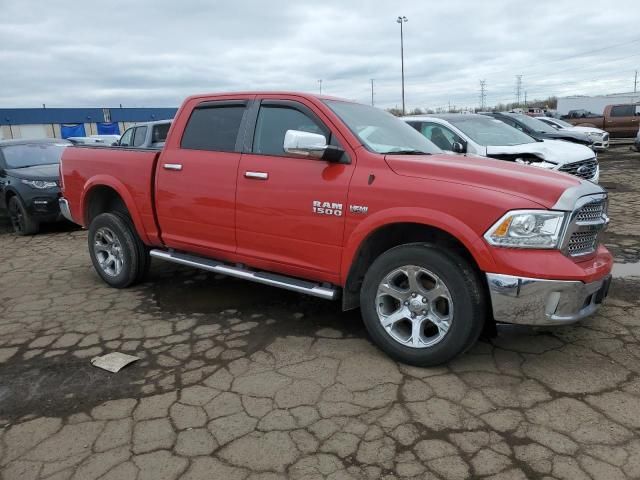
column 495, row 136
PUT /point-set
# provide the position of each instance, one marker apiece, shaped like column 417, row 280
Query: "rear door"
column 196, row 177
column 622, row 121
column 291, row 210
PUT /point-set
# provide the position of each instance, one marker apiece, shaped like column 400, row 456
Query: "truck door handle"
column 172, row 166
column 256, row 175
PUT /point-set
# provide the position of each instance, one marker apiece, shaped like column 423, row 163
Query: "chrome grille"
column 591, row 212
column 582, row 243
column 584, row 169
column 587, row 221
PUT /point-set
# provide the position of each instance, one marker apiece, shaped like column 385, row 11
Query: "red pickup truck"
column 341, row 200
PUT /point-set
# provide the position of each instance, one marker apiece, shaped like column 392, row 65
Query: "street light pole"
column 401, row 20
column 320, row 83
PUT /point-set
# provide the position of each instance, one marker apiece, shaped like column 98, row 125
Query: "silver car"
column 488, row 137
column 600, row 137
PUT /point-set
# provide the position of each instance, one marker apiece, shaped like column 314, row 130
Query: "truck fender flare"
column 423, row 216
column 127, row 198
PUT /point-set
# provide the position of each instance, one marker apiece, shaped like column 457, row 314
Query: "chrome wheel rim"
column 108, row 251
column 414, row 306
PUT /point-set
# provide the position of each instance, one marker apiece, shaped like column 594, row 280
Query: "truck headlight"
column 39, row 184
column 527, row 229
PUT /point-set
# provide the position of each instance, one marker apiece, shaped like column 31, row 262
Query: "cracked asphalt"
column 242, row 381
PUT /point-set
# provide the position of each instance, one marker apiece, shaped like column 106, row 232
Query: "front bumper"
column 535, row 301
column 65, row 210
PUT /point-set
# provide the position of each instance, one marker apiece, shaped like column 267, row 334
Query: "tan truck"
column 618, row 120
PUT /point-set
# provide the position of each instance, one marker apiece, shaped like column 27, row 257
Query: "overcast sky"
column 155, row 53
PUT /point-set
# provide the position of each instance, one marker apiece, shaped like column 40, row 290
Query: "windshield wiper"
column 406, row 151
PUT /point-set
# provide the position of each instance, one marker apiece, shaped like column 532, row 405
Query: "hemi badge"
column 359, row 209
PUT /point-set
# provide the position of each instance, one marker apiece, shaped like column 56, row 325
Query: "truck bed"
column 128, row 171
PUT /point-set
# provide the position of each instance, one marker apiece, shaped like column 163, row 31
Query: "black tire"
column 463, row 284
column 21, row 221
column 132, row 252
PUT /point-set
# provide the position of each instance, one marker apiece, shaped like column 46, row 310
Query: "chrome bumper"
column 64, row 209
column 535, row 301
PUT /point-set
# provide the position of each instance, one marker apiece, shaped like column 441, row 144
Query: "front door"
column 196, row 178
column 291, row 210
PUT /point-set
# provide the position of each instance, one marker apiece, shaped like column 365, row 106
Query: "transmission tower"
column 483, row 94
column 518, row 89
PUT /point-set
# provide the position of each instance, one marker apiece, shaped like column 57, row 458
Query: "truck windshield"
column 380, row 131
column 489, row 132
column 21, row 156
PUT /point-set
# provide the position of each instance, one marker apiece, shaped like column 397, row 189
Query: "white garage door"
column 32, row 131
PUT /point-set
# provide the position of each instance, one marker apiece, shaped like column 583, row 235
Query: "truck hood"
column 558, row 152
column 48, row 172
column 538, row 185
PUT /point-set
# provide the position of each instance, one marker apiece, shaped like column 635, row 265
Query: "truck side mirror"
column 312, row 145
column 459, row 147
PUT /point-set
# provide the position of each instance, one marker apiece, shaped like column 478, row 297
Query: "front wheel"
column 422, row 305
column 21, row 221
column 116, row 251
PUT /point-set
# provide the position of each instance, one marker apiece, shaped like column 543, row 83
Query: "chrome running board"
column 266, row 278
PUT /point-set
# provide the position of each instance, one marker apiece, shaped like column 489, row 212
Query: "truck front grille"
column 585, row 169
column 591, row 212
column 582, row 243
column 586, row 224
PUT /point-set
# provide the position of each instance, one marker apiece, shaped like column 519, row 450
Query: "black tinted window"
column 213, row 128
column 20, row 156
column 138, row 136
column 273, row 123
column 622, row 111
column 159, row 133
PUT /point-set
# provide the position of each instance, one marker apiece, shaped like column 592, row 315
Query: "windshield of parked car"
column 380, row 131
column 561, row 123
column 29, row 155
column 533, row 123
column 489, row 131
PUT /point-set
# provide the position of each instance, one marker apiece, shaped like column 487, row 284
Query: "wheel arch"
column 365, row 246
column 108, row 195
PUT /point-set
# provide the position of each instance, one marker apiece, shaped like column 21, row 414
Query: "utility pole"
column 525, row 99
column 635, row 83
column 372, row 92
column 449, row 109
column 401, row 20
column 483, row 94
column 320, row 83
column 518, row 88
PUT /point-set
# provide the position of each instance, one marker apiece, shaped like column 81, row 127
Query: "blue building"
column 74, row 122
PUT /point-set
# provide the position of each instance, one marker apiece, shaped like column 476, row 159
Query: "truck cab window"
column 622, row 111
column 213, row 128
column 139, row 136
column 273, row 123
column 125, row 140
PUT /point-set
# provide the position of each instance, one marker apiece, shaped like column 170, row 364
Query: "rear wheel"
column 21, row 221
column 422, row 305
column 116, row 251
